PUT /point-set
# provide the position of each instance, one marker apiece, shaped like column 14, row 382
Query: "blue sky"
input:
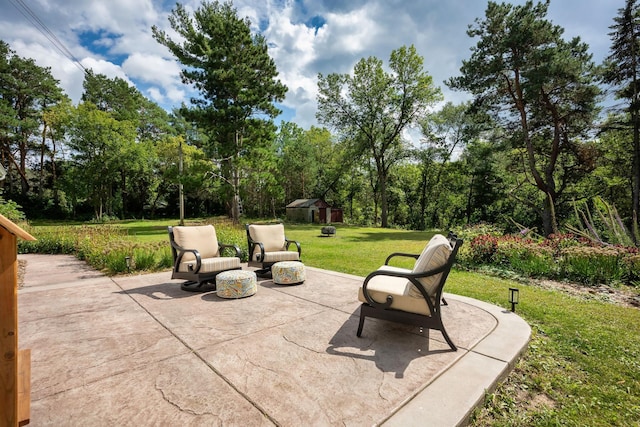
column 306, row 37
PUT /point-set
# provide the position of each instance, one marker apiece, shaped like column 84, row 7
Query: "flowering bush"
column 525, row 256
column 483, row 249
column 560, row 256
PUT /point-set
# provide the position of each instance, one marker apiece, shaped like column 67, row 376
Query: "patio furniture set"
column 411, row 296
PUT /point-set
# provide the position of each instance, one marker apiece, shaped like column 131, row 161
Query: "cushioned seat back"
column 270, row 235
column 434, row 255
column 200, row 237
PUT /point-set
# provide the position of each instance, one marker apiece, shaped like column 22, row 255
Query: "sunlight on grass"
column 356, row 250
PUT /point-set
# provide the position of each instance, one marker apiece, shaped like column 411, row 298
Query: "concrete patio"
column 138, row 351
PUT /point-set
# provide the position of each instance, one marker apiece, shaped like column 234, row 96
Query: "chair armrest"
column 412, row 277
column 288, row 242
column 222, row 246
column 400, row 254
column 181, row 251
column 253, row 247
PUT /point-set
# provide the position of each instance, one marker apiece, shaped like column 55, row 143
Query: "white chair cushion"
column 270, row 235
column 434, row 255
column 398, row 287
column 279, row 256
column 200, row 237
column 211, row 264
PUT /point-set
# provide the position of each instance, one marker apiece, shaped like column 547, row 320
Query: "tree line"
column 532, row 148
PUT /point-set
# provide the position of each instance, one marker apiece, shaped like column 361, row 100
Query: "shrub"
column 483, row 249
column 525, row 256
column 165, row 258
column 557, row 242
column 105, row 247
column 592, row 265
column 144, row 258
column 564, row 256
column 631, row 273
column 11, row 210
column 113, row 261
column 50, row 240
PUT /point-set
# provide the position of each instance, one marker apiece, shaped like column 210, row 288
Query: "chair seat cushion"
column 210, row 265
column 379, row 287
column 280, row 256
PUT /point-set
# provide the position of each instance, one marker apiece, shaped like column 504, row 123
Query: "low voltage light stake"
column 127, row 260
column 514, row 297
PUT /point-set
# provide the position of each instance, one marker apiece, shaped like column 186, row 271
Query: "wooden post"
column 9, row 369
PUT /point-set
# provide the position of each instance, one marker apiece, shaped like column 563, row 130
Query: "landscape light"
column 514, row 297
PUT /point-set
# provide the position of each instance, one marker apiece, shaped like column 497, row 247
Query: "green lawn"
column 582, row 367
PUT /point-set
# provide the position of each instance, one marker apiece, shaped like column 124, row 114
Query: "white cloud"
column 152, row 69
column 352, row 30
column 109, row 69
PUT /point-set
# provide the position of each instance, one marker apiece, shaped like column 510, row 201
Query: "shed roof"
column 307, row 203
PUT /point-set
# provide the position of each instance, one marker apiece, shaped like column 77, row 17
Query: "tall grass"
column 115, row 248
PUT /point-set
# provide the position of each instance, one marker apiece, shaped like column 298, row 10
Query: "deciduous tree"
column 372, row 107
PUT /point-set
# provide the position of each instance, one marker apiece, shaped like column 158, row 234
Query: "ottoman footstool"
column 288, row 273
column 236, row 284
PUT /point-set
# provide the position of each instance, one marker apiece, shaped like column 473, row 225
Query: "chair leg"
column 361, row 324
column 264, row 273
column 448, row 340
column 192, row 286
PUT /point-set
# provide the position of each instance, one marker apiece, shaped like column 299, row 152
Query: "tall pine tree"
column 236, row 80
column 622, row 68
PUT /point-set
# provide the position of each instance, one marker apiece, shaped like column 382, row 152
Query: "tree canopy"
column 372, row 108
column 235, row 79
column 539, row 86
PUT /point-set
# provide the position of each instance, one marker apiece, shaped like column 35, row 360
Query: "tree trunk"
column 549, row 222
column 423, row 199
column 42, row 150
column 384, row 208
column 235, row 181
column 635, row 190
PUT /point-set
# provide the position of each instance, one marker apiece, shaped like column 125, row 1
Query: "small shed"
column 314, row 211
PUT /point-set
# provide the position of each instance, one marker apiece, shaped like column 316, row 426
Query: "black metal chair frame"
column 265, row 267
column 383, row 311
column 196, row 281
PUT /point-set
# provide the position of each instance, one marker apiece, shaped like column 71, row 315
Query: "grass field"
column 582, row 367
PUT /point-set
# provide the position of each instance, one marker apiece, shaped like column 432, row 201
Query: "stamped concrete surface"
column 138, row 351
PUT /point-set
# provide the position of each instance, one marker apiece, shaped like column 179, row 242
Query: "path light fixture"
column 514, row 298
column 127, row 260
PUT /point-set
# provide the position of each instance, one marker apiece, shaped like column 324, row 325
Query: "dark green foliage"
column 236, row 80
column 371, row 108
column 622, row 69
column 541, row 89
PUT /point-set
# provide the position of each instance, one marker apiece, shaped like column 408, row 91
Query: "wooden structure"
column 15, row 366
column 313, row 211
